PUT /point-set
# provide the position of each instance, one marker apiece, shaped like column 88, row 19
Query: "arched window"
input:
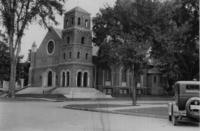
column 82, row 40
column 78, row 55
column 154, row 79
column 49, row 83
column 124, row 77
column 56, row 78
column 79, row 21
column 64, row 56
column 86, row 23
column 108, row 75
column 68, row 40
column 85, row 79
column 67, row 22
column 63, row 79
column 70, row 55
column 68, row 78
column 72, row 20
column 79, row 77
column 86, row 56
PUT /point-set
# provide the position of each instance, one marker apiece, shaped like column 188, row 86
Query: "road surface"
column 51, row 116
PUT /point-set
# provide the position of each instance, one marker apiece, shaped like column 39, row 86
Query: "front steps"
column 69, row 93
column 35, row 90
column 81, row 93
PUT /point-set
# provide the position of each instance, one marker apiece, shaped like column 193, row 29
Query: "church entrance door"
column 85, row 79
column 63, row 79
column 49, row 82
column 79, row 76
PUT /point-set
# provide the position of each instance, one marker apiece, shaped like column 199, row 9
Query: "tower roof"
column 78, row 9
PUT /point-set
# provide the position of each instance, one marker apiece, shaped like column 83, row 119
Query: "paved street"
column 51, row 116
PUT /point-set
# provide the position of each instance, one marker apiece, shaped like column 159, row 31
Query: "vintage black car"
column 187, row 102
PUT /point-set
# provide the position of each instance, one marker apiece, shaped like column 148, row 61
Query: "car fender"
column 170, row 108
column 175, row 109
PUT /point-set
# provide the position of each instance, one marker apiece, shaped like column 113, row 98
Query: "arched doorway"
column 63, row 79
column 49, row 83
column 85, row 79
column 68, row 78
column 79, row 76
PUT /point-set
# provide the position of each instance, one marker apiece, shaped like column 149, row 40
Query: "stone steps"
column 34, row 90
column 71, row 93
column 80, row 93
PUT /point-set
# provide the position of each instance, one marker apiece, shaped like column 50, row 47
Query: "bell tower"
column 77, row 46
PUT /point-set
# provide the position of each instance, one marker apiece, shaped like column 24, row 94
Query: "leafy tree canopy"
column 4, row 58
column 170, row 28
column 177, row 46
column 123, row 32
column 16, row 16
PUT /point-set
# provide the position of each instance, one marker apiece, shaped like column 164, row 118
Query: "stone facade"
column 64, row 58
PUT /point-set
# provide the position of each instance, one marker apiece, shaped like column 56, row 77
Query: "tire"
column 191, row 114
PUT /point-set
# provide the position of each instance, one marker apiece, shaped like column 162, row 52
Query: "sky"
column 36, row 33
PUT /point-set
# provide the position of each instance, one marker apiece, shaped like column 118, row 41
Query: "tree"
column 123, row 35
column 175, row 40
column 4, row 58
column 16, row 16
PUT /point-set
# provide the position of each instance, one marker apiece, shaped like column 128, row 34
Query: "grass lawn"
column 158, row 112
column 161, row 112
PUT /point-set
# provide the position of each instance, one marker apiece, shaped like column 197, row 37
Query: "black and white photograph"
column 99, row 65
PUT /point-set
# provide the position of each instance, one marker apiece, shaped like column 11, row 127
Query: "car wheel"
column 192, row 113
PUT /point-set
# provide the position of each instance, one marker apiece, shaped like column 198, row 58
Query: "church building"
column 65, row 59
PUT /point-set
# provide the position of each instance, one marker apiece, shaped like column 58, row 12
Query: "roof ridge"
column 78, row 8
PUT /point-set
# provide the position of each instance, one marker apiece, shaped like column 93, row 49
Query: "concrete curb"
column 116, row 112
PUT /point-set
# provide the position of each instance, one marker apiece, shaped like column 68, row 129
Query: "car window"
column 192, row 88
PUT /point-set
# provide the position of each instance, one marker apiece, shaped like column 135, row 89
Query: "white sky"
column 37, row 33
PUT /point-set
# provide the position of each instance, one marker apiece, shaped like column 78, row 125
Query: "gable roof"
column 78, row 9
column 58, row 32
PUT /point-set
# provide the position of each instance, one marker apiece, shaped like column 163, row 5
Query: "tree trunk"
column 12, row 78
column 12, row 69
column 133, row 88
